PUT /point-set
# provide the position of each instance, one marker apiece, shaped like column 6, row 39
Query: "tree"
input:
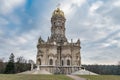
column 21, row 60
column 21, row 65
column 118, row 68
column 31, row 62
column 10, row 67
column 2, row 66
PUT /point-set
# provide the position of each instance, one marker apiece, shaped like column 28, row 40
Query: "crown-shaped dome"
column 58, row 12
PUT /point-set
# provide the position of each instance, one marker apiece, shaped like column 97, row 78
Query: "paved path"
column 76, row 77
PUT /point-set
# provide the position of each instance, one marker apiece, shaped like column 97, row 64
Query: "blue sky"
column 94, row 22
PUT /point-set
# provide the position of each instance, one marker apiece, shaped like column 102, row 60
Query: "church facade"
column 57, row 55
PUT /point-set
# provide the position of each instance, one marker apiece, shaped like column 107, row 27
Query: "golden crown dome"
column 58, row 12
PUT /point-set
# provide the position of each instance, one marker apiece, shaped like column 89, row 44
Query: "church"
column 57, row 55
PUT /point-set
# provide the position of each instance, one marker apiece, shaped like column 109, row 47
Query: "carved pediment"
column 51, row 55
column 68, row 55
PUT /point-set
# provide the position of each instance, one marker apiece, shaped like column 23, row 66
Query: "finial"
column 58, row 5
column 40, row 40
column 48, row 39
column 78, row 41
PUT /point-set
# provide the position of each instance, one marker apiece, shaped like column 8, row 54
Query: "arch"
column 68, row 55
column 51, row 62
column 39, row 61
column 51, row 55
column 68, row 62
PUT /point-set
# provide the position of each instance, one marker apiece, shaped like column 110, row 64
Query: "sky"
column 95, row 22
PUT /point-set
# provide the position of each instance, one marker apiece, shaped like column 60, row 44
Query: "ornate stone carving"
column 57, row 46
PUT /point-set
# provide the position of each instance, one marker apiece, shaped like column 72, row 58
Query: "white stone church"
column 57, row 55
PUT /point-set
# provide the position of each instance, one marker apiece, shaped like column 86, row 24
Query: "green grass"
column 100, row 77
column 33, row 77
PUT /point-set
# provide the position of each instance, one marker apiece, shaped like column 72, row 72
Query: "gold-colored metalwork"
column 58, row 12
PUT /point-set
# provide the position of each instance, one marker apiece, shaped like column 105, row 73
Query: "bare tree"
column 21, row 59
column 21, row 64
column 32, row 63
column 1, row 60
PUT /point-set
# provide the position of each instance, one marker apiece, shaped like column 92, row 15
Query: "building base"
column 60, row 69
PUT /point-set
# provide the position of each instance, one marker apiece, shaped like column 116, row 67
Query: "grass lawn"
column 33, row 77
column 101, row 77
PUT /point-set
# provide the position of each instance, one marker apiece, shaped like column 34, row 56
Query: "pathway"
column 76, row 77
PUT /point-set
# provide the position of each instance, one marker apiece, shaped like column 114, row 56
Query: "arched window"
column 39, row 61
column 62, row 62
column 68, row 62
column 51, row 62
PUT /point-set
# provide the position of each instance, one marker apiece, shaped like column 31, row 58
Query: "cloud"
column 20, row 45
column 70, row 7
column 96, row 23
column 8, row 6
column 95, row 6
column 117, row 3
column 97, row 31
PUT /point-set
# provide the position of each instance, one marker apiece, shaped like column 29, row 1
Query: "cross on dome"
column 58, row 5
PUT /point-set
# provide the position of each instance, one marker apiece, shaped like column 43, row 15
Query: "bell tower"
column 58, row 26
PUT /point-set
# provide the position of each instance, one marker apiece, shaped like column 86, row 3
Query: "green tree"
column 10, row 67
